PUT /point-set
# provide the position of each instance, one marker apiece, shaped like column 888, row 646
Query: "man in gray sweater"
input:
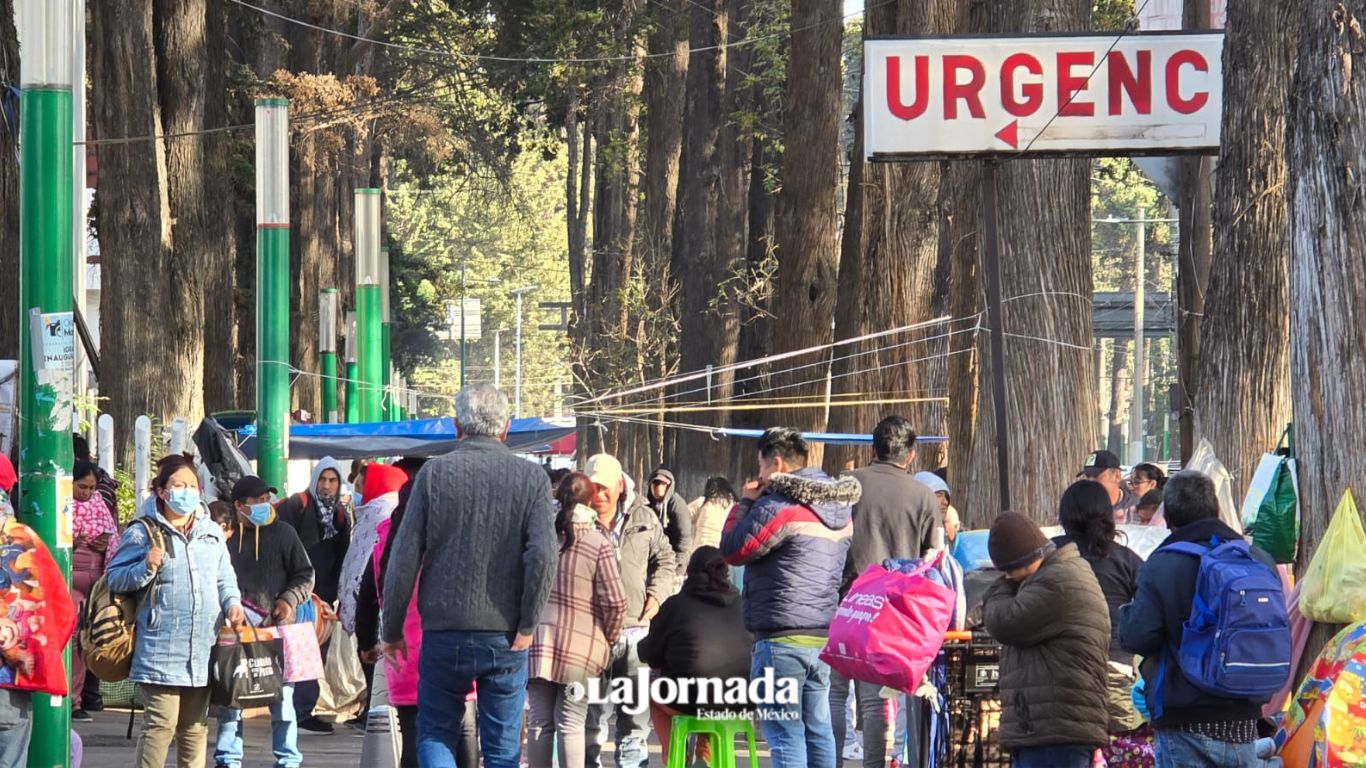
column 480, row 527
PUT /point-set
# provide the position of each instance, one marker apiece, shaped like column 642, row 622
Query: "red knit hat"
column 1016, row 541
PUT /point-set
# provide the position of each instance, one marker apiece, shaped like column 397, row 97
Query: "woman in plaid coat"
column 581, row 622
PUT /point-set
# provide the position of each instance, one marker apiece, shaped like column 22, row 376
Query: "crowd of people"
column 531, row 618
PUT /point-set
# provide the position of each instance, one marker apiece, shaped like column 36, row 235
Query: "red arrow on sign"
column 1010, row 134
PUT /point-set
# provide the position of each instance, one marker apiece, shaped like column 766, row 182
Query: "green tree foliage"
column 509, row 235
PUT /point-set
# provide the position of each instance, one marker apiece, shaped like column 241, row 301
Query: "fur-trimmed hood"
column 832, row 499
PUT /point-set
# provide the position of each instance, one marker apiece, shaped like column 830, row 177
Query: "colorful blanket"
column 37, row 615
column 1330, row 702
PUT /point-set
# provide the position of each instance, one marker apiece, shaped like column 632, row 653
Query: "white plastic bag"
column 341, row 692
column 1205, row 462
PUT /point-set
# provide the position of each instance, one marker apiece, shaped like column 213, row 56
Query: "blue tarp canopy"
column 418, row 437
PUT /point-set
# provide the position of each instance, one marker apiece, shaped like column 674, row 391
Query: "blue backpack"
column 1236, row 642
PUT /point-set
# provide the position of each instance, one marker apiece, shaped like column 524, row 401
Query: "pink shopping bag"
column 303, row 659
column 890, row 626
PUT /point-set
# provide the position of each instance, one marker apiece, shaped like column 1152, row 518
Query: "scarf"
column 583, row 514
column 327, row 516
column 92, row 518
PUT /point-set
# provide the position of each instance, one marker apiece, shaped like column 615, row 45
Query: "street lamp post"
column 519, row 293
column 352, row 372
column 272, row 289
column 327, row 351
column 389, row 403
column 369, row 309
column 47, row 338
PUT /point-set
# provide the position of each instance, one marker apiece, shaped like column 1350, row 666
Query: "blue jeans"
column 1191, row 750
column 284, row 734
column 451, row 664
column 632, row 731
column 799, row 733
column 1053, row 756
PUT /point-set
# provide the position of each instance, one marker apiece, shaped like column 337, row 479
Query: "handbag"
column 303, row 660
column 891, row 625
column 1271, row 511
column 246, row 669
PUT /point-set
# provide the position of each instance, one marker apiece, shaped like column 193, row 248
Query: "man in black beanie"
column 1049, row 615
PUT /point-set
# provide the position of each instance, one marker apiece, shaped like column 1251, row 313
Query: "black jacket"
column 271, row 565
column 1151, row 626
column 895, row 518
column 300, row 512
column 699, row 634
column 674, row 515
column 1117, row 572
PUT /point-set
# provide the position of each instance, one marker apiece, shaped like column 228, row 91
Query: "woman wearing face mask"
column 175, row 552
column 97, row 541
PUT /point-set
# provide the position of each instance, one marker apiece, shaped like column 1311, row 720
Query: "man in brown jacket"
column 1049, row 615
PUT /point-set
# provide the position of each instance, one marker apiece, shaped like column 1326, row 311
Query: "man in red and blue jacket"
column 791, row 531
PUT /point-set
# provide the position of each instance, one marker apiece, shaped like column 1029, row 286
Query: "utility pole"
column 369, row 305
column 47, row 328
column 498, row 358
column 352, row 371
column 327, row 351
column 1137, row 439
column 519, row 293
column 272, row 290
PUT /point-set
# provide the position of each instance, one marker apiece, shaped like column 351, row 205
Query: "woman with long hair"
column 96, row 533
column 582, row 620
column 1088, row 520
column 175, row 549
column 698, row 633
column 709, row 512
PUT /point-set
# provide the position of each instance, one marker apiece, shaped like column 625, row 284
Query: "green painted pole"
column 369, row 345
column 327, row 351
column 352, row 372
column 387, row 374
column 272, row 291
column 46, row 374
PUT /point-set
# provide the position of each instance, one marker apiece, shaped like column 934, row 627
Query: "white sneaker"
column 854, row 751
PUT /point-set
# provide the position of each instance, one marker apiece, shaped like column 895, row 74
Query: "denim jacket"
column 194, row 589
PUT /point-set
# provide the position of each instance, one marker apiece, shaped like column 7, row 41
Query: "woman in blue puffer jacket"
column 190, row 586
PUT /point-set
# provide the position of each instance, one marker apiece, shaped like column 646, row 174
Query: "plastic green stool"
column 721, row 731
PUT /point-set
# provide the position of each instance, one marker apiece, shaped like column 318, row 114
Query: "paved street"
column 107, row 747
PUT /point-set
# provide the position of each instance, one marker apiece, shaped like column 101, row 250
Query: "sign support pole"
column 47, row 332
column 992, row 250
column 1137, row 433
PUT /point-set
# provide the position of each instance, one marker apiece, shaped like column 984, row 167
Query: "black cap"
column 250, row 487
column 1099, row 462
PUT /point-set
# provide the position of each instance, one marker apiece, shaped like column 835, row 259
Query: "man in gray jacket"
column 647, row 577
column 897, row 517
column 480, row 526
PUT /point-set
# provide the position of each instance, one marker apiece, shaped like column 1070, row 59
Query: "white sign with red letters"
column 1089, row 94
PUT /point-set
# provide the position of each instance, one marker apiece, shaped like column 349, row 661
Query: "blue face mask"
column 260, row 513
column 183, row 500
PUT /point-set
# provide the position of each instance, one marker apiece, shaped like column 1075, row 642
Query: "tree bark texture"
column 1121, row 394
column 9, row 191
column 965, row 300
column 1326, row 148
column 807, row 224
column 1243, row 402
column 888, row 270
column 181, row 51
column 708, row 317
column 221, row 345
column 142, row 306
column 1045, row 249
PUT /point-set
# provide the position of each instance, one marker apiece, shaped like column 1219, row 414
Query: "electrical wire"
column 550, row 60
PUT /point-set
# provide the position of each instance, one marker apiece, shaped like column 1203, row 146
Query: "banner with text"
column 1080, row 94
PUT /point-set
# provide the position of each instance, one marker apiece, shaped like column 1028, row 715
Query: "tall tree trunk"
column 807, row 223
column 221, row 344
column 965, row 300
column 707, row 333
column 1326, row 132
column 1244, row 400
column 888, row 268
column 142, row 305
column 181, row 50
column 1120, row 394
column 1045, row 248
column 9, row 193
column 1193, row 263
column 756, row 320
